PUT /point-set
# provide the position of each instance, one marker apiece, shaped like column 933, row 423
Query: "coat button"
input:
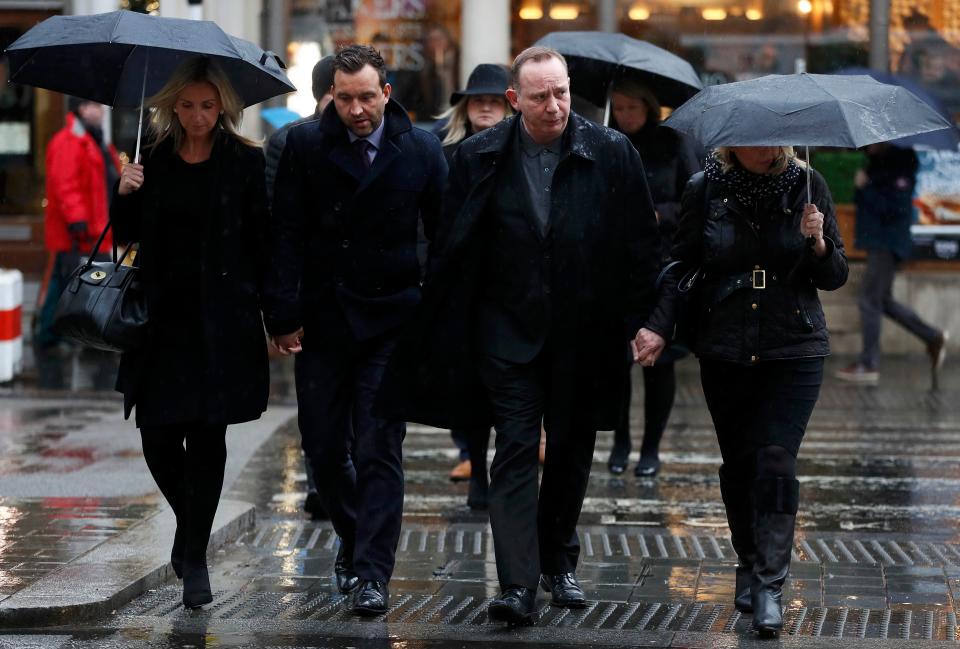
column 754, row 306
column 345, row 243
column 337, row 206
column 754, row 359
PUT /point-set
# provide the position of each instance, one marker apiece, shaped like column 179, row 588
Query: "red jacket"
column 76, row 187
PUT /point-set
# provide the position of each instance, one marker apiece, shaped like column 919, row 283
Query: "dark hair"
column 354, row 58
column 322, row 77
column 636, row 90
column 536, row 54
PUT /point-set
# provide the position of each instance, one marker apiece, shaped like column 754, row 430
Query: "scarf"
column 750, row 187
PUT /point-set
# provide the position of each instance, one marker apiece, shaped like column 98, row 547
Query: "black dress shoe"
column 617, row 462
column 371, row 598
column 176, row 554
column 515, row 606
column 347, row 579
column 196, row 584
column 647, row 468
column 564, row 590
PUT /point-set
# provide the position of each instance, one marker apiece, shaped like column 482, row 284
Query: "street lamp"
column 805, row 8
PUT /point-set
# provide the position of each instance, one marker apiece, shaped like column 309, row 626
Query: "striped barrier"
column 11, row 323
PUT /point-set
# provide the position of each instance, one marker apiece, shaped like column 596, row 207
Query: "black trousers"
column 757, row 406
column 533, row 533
column 357, row 458
column 187, row 461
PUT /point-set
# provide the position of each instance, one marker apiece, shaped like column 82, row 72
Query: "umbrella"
column 120, row 57
column 804, row 109
column 279, row 116
column 945, row 139
column 597, row 59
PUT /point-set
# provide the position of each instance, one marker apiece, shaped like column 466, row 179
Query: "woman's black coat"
column 229, row 244
column 736, row 322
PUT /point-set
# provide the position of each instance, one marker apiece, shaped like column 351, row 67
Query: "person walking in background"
column 884, row 203
column 351, row 190
column 197, row 208
column 477, row 107
column 761, row 339
column 546, row 256
column 322, row 82
column 669, row 161
column 81, row 170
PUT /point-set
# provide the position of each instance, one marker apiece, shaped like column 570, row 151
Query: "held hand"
column 811, row 225
column 288, row 343
column 860, row 179
column 647, row 347
column 131, row 178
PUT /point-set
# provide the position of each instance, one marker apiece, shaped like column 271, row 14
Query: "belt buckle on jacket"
column 759, row 278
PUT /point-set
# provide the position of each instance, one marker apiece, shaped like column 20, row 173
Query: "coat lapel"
column 345, row 156
column 388, row 151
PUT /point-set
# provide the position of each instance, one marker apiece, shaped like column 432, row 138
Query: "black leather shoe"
column 564, row 590
column 647, row 468
column 371, row 598
column 176, row 554
column 196, row 585
column 347, row 579
column 515, row 606
column 617, row 462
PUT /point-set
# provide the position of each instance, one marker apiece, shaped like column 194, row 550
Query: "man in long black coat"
column 544, row 267
column 351, row 188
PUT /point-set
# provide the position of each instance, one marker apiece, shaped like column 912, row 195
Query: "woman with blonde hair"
column 761, row 251
column 197, row 208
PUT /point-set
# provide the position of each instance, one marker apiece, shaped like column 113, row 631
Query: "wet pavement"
column 876, row 559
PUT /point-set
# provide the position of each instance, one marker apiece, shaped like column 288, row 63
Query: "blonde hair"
column 458, row 120
column 163, row 120
column 784, row 156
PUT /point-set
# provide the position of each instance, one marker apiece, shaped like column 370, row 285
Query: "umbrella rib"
column 115, row 25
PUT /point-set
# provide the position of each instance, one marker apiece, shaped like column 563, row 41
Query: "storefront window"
column 419, row 40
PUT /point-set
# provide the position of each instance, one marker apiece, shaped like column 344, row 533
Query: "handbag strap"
column 96, row 250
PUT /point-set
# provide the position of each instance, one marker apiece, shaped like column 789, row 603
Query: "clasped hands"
column 288, row 344
column 647, row 347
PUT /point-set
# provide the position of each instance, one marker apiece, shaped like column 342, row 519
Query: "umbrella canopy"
column 597, row 59
column 804, row 109
column 114, row 58
column 945, row 139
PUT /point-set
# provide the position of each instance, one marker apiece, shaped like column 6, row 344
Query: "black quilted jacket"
column 728, row 241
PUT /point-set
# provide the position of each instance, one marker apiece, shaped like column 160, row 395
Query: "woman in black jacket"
column 668, row 161
column 197, row 208
column 763, row 253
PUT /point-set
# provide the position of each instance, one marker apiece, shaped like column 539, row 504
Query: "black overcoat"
column 728, row 240
column 343, row 239
column 603, row 243
column 230, row 246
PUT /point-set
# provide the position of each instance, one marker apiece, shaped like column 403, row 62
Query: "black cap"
column 322, row 76
column 486, row 79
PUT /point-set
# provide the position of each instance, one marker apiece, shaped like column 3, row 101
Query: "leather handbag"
column 103, row 304
column 687, row 303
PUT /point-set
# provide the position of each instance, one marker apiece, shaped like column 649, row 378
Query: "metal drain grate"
column 422, row 609
column 628, row 545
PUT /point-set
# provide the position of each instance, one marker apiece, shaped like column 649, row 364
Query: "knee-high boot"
column 738, row 501
column 165, row 455
column 206, row 460
column 777, row 500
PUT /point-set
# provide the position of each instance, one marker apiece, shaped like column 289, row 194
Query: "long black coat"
column 727, row 240
column 604, row 262
column 231, row 258
column 344, row 242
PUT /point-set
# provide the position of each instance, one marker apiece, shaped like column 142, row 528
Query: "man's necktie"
column 363, row 150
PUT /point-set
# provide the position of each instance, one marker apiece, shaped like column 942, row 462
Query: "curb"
column 116, row 571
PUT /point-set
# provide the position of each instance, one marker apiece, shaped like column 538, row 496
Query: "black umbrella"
column 597, row 59
column 118, row 58
column 806, row 110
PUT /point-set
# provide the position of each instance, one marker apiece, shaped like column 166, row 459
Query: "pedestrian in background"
column 884, row 203
column 669, row 161
column 81, row 170
column 548, row 252
column 761, row 339
column 197, row 207
column 322, row 83
column 351, row 190
column 477, row 107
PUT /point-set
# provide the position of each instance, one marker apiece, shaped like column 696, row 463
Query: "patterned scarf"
column 749, row 187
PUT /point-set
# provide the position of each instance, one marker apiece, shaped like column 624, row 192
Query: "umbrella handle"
column 143, row 92
column 811, row 242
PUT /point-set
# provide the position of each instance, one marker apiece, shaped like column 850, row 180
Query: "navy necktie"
column 363, row 150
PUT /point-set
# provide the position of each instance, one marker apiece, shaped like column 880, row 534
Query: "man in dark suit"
column 543, row 269
column 351, row 188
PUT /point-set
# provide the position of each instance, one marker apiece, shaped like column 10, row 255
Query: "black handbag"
column 103, row 304
column 686, row 305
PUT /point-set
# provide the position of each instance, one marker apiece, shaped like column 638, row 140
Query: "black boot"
column 777, row 500
column 738, row 502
